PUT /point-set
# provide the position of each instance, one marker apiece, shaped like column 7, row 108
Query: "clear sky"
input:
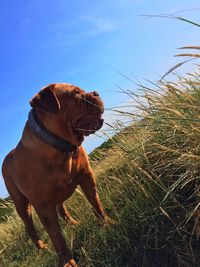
column 79, row 42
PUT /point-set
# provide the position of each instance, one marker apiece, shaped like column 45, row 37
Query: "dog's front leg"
column 88, row 185
column 49, row 219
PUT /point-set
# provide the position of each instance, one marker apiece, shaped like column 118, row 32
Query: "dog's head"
column 69, row 111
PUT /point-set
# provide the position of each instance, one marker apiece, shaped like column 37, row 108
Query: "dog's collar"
column 49, row 138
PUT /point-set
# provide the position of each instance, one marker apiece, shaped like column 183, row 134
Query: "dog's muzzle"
column 88, row 126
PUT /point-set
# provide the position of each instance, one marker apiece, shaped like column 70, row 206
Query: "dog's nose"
column 95, row 93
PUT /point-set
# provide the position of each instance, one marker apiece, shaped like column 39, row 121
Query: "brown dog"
column 49, row 162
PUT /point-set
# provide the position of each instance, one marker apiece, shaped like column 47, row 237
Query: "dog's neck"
column 38, row 128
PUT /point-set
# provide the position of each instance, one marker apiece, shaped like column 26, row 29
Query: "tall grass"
column 159, row 172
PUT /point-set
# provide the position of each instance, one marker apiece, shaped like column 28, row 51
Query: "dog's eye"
column 76, row 92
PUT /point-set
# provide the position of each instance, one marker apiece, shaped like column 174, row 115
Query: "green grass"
column 6, row 209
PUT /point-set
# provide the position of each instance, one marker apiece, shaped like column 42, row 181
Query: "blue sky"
column 80, row 42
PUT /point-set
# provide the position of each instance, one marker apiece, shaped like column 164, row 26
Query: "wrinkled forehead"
column 66, row 88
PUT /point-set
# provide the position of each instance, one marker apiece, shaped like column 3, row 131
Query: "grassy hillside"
column 148, row 180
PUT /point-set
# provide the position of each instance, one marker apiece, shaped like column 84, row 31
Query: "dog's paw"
column 108, row 221
column 41, row 245
column 72, row 221
column 71, row 263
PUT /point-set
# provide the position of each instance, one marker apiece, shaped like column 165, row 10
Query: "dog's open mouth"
column 88, row 126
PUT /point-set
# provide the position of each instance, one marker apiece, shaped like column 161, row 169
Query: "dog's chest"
column 64, row 188
column 65, row 180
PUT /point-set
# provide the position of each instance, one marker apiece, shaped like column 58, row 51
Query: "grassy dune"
column 148, row 180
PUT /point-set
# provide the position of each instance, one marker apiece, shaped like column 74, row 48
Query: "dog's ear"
column 46, row 100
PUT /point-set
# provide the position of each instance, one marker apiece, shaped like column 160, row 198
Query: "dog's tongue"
column 88, row 127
